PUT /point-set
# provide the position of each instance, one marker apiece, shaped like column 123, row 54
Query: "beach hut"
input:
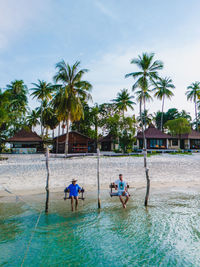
column 26, row 142
column 78, row 143
column 156, row 139
column 108, row 143
column 190, row 140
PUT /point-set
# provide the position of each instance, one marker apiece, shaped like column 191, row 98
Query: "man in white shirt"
column 121, row 186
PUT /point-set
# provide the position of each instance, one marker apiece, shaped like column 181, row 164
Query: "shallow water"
column 165, row 234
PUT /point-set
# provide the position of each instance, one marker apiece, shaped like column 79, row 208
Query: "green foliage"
column 123, row 101
column 171, row 114
column 162, row 91
column 32, row 118
column 89, row 121
column 178, row 126
column 13, row 108
column 127, row 134
column 193, row 94
column 145, row 118
column 71, row 94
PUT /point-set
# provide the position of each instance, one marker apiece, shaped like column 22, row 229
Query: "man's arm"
column 115, row 185
column 79, row 189
column 125, row 186
column 67, row 189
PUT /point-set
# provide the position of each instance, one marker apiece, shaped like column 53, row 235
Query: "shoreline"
column 155, row 187
column 26, row 174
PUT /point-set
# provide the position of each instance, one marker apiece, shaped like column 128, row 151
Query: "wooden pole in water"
column 146, row 169
column 47, row 182
column 98, row 184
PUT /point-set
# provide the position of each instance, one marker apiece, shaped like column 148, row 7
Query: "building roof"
column 192, row 135
column 152, row 132
column 107, row 138
column 25, row 136
column 61, row 138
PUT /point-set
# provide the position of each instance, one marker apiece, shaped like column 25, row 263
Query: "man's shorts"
column 120, row 193
column 73, row 195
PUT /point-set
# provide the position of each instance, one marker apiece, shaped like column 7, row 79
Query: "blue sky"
column 104, row 35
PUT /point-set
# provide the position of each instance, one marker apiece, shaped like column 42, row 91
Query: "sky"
column 104, row 35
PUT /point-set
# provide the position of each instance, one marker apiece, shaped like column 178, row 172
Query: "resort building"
column 108, row 143
column 78, row 143
column 26, row 142
column 190, row 140
column 156, row 139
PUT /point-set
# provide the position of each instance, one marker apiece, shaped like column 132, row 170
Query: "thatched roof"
column 61, row 138
column 192, row 135
column 25, row 136
column 107, row 138
column 154, row 133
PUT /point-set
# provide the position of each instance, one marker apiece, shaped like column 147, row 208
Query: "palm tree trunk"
column 195, row 102
column 144, row 113
column 47, row 181
column 96, row 134
column 63, row 128
column 162, row 113
column 41, row 120
column 145, row 157
column 67, row 139
column 57, row 138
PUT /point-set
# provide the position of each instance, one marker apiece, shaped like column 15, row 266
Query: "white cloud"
column 106, row 11
column 15, row 18
column 180, row 63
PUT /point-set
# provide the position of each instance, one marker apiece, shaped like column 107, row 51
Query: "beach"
column 26, row 174
column 164, row 234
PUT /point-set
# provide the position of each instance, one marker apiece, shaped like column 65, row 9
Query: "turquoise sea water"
column 165, row 234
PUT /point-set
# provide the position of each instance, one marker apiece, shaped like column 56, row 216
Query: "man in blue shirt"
column 121, row 186
column 74, row 189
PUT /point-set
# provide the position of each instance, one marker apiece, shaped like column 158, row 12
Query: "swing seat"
column 66, row 191
column 115, row 194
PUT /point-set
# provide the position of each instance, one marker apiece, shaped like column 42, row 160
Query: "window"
column 174, row 142
column 156, row 143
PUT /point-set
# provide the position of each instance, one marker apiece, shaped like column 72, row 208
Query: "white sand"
column 26, row 174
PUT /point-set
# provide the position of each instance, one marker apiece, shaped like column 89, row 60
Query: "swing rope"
column 18, row 197
column 30, row 240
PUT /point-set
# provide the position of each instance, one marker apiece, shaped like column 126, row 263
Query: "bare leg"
column 72, row 203
column 121, row 199
column 127, row 198
column 76, row 203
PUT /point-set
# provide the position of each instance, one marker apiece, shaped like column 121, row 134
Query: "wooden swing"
column 66, row 191
column 115, row 194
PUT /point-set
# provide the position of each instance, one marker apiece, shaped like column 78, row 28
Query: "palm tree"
column 146, row 117
column 17, row 92
column 72, row 91
column 162, row 91
column 123, row 101
column 32, row 119
column 143, row 96
column 42, row 91
column 148, row 72
column 193, row 94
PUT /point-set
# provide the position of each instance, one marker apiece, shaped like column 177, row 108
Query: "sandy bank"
column 26, row 174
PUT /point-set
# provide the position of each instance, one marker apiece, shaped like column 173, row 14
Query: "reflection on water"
column 165, row 234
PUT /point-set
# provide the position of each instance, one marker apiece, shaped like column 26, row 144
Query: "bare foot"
column 124, row 206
